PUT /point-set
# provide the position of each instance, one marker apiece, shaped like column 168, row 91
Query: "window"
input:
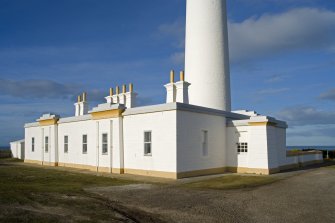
column 242, row 147
column 104, row 143
column 84, row 144
column 205, row 143
column 66, row 144
column 46, row 142
column 147, row 143
column 33, row 144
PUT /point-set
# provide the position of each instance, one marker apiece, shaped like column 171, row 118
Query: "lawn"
column 232, row 182
column 37, row 194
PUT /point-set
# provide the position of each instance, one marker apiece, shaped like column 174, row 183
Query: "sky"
column 282, row 56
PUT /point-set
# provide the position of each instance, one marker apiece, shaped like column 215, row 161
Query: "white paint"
column 182, row 92
column 170, row 93
column 207, row 54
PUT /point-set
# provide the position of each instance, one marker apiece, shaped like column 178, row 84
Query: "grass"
column 48, row 195
column 232, row 182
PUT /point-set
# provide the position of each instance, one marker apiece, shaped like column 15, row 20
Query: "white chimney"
column 182, row 89
column 109, row 98
column 130, row 97
column 77, row 106
column 171, row 89
column 122, row 96
column 83, row 105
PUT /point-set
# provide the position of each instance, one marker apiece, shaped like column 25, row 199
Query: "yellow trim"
column 42, row 163
column 253, row 170
column 151, row 173
column 262, row 124
column 204, row 172
column 48, row 122
column 107, row 114
column 118, row 170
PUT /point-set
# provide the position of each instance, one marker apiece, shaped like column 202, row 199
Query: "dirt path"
column 308, row 197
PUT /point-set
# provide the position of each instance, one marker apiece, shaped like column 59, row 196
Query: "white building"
column 194, row 133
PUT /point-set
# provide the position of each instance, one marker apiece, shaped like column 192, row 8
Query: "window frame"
column 46, row 144
column 204, row 142
column 66, row 144
column 104, row 143
column 242, row 147
column 84, row 147
column 32, row 144
column 147, row 143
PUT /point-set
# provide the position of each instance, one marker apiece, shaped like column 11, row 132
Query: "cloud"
column 329, row 95
column 274, row 79
column 174, row 30
column 300, row 116
column 47, row 89
column 297, row 29
column 36, row 88
column 178, row 58
column 270, row 34
column 272, row 91
column 313, row 131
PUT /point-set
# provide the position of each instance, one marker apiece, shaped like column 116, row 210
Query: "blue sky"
column 282, row 58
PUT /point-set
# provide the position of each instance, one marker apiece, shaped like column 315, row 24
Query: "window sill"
column 148, row 155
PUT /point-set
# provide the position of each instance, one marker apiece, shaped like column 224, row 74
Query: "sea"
column 311, row 147
column 4, row 148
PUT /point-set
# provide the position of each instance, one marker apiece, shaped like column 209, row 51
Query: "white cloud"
column 272, row 91
column 303, row 28
column 329, row 95
column 303, row 115
column 270, row 34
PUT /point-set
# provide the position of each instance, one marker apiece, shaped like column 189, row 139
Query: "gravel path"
column 306, row 197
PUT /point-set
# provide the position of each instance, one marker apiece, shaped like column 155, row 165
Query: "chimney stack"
column 171, row 89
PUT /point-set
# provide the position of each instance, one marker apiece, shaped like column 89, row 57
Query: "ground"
column 30, row 193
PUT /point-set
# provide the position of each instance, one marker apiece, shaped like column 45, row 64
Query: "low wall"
column 5, row 154
column 296, row 159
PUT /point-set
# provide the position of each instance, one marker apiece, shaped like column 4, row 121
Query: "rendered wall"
column 190, row 127
column 163, row 128
column 94, row 130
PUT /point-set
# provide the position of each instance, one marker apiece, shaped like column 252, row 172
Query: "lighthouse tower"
column 207, row 54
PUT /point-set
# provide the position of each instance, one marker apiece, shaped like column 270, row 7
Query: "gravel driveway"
column 308, row 196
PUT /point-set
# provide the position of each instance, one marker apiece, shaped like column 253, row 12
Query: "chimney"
column 171, row 89
column 77, row 106
column 83, row 105
column 115, row 97
column 182, row 89
column 109, row 98
column 122, row 96
column 130, row 97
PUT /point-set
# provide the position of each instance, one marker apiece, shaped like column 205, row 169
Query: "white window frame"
column 66, row 144
column 204, row 142
column 46, row 144
column 147, row 143
column 84, row 144
column 32, row 144
column 104, row 143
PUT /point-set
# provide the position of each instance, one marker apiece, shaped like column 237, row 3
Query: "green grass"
column 232, row 182
column 51, row 195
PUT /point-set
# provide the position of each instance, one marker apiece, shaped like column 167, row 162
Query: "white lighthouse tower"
column 207, row 54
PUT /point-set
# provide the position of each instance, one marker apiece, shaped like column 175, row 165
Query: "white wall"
column 35, row 132
column 94, row 130
column 190, row 129
column 163, row 128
